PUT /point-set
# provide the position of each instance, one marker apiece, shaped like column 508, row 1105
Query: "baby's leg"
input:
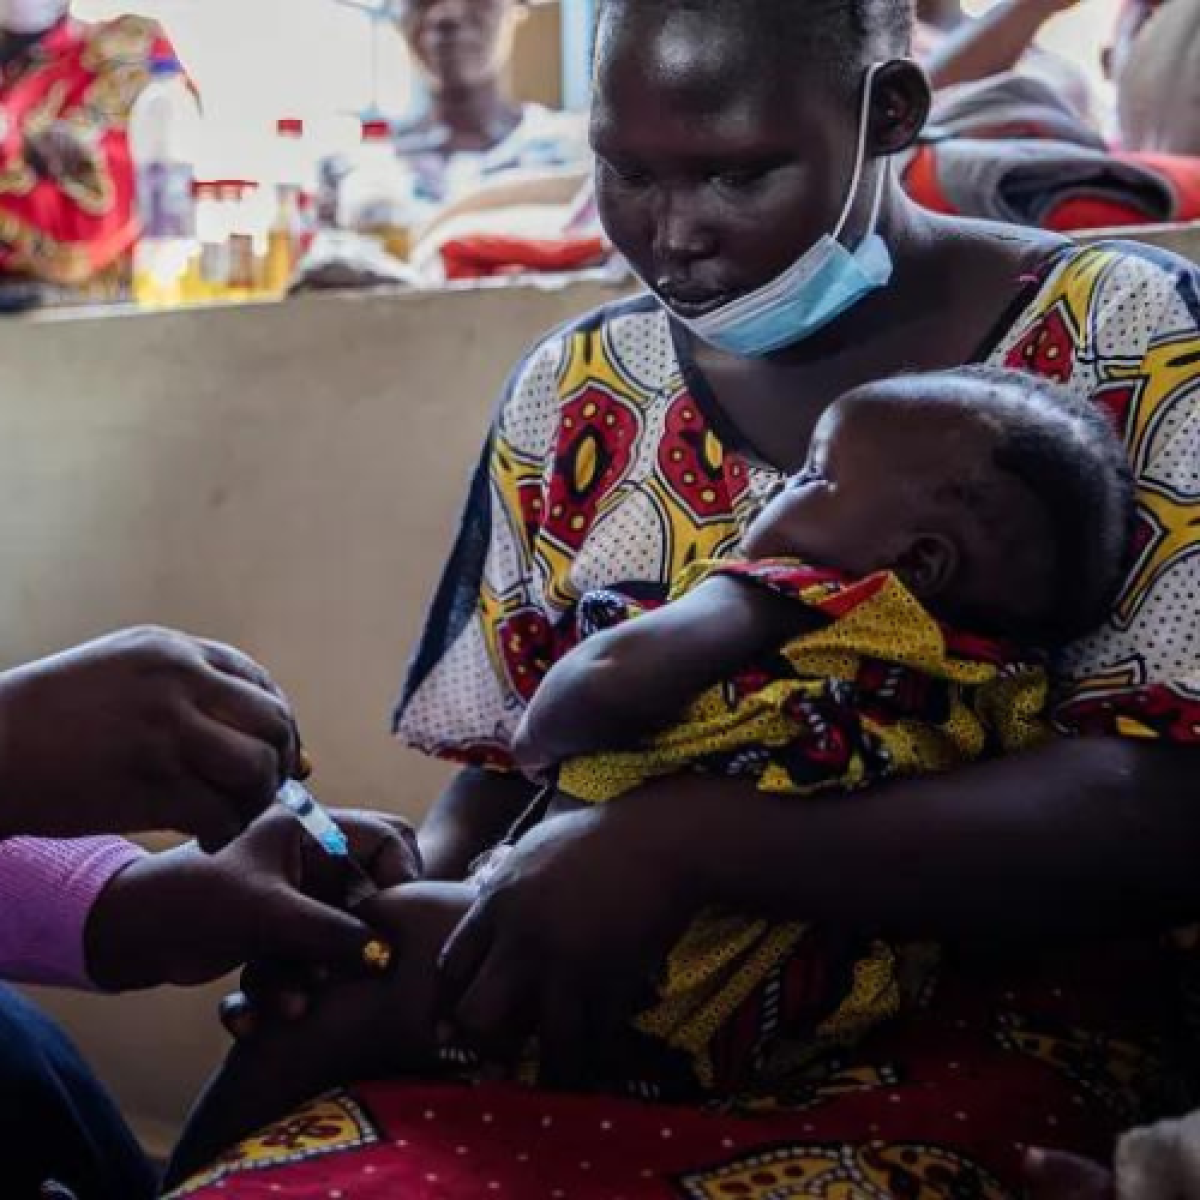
column 358, row 1029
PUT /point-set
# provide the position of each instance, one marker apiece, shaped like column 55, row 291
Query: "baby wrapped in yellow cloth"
column 815, row 679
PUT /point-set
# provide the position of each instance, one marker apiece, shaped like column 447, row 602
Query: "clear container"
column 295, row 162
column 247, row 239
column 165, row 134
column 289, row 235
column 213, row 222
column 375, row 197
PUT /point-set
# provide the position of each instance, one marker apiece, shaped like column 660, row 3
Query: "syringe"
column 323, row 829
column 297, row 799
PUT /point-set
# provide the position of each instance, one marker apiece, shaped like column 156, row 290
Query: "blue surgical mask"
column 815, row 290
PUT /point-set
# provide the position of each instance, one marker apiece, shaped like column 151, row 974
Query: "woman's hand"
column 140, row 731
column 567, row 935
column 184, row 917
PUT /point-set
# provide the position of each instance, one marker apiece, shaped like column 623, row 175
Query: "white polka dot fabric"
column 606, row 471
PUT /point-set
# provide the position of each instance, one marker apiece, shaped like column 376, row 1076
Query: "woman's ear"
column 929, row 565
column 900, row 106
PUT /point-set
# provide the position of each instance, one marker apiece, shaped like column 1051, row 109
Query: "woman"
column 474, row 132
column 476, row 149
column 141, row 731
column 645, row 436
column 67, row 87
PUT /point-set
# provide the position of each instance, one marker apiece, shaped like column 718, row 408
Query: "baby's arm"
column 360, row 1029
column 630, row 682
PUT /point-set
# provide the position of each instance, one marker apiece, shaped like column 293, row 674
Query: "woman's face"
column 716, row 167
column 460, row 43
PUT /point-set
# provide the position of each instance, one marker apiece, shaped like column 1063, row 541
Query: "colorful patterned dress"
column 86, row 77
column 610, row 466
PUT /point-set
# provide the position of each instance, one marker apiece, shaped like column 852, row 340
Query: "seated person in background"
column 67, row 196
column 1155, row 64
column 832, row 654
column 476, row 155
column 475, row 133
column 955, row 48
column 1011, row 148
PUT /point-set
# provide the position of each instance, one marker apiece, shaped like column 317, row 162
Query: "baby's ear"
column 929, row 565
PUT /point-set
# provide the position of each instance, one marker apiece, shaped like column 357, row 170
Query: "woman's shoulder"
column 1095, row 305
column 1124, row 273
column 1097, row 315
column 625, row 345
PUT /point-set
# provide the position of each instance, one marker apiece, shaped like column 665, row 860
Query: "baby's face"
column 849, row 507
column 874, row 484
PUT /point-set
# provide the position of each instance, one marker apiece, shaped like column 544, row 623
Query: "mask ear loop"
column 885, row 172
column 860, row 157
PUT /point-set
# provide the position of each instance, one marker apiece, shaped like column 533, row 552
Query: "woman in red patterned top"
column 67, row 197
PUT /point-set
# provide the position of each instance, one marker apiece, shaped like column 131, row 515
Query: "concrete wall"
column 284, row 478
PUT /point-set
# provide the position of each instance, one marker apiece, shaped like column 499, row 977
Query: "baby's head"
column 1003, row 502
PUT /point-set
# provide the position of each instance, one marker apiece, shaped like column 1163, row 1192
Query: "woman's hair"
column 848, row 34
column 1066, row 451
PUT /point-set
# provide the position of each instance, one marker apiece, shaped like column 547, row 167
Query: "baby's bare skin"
column 359, row 1029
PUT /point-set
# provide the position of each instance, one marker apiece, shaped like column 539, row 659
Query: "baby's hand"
column 277, row 992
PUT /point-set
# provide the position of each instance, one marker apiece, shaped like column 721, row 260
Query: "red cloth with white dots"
column 935, row 1107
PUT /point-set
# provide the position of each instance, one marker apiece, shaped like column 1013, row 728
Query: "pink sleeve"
column 47, row 889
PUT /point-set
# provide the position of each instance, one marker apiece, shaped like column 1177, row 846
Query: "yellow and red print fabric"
column 85, row 77
column 610, row 466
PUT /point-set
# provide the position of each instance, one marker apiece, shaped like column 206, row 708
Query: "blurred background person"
column 473, row 133
column 1155, row 64
column 957, row 48
column 67, row 193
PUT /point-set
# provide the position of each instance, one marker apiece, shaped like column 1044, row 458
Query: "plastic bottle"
column 212, row 229
column 288, row 237
column 375, row 198
column 165, row 133
column 246, row 239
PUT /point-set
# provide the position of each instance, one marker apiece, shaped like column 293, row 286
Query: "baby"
column 831, row 654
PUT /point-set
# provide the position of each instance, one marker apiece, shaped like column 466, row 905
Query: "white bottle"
column 376, row 197
column 165, row 133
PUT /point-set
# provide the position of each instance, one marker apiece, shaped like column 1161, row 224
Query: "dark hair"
column 1066, row 451
column 847, row 34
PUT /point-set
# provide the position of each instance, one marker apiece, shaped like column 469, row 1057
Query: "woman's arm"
column 631, row 681
column 1085, row 838
column 992, row 44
